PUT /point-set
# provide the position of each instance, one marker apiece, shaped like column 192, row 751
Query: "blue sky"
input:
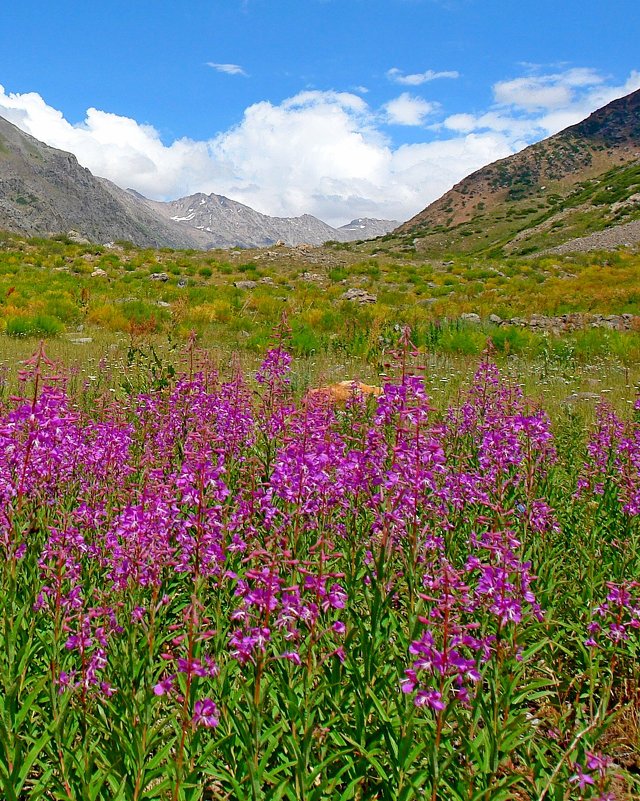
column 337, row 108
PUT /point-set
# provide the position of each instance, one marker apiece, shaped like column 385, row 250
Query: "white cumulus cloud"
column 551, row 91
column 408, row 110
column 532, row 94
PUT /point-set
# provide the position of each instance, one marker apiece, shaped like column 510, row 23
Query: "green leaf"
column 22, row 774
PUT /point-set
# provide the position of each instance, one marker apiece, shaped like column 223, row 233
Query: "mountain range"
column 581, row 186
column 45, row 191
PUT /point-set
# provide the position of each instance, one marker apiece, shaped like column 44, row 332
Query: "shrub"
column 507, row 339
column 338, row 274
column 466, row 341
column 305, row 341
column 41, row 325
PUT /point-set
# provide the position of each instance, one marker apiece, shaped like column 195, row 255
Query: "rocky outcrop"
column 565, row 323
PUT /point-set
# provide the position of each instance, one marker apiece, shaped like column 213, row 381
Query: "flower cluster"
column 617, row 618
column 202, row 549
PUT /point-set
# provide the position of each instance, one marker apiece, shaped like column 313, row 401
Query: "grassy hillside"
column 546, row 217
column 574, row 183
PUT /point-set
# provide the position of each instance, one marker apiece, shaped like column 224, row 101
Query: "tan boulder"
column 342, row 391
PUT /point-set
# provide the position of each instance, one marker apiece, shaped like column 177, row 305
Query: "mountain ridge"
column 44, row 190
column 233, row 224
column 569, row 186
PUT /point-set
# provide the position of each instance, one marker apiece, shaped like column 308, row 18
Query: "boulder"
column 342, row 392
column 77, row 238
column 359, row 296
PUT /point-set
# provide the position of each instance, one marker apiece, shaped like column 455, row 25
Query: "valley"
column 289, row 513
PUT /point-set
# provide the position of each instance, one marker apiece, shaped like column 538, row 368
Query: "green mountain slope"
column 579, row 181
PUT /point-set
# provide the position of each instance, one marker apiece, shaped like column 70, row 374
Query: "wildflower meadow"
column 215, row 589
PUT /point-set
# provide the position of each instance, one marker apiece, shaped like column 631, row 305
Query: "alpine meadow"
column 295, row 510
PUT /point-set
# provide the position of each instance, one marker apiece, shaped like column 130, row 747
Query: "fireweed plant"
column 214, row 590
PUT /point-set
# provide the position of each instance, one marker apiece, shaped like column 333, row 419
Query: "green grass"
column 40, row 325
